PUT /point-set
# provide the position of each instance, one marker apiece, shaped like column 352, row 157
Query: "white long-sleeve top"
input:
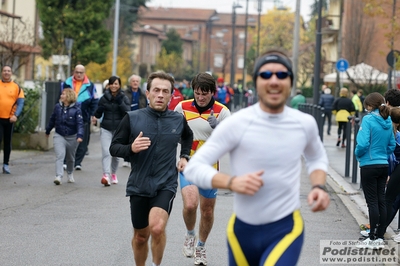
column 257, row 140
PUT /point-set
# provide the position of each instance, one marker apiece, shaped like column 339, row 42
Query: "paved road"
column 86, row 223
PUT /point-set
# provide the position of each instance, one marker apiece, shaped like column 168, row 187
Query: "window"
column 218, row 60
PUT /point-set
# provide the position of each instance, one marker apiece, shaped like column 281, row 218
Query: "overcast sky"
column 225, row 6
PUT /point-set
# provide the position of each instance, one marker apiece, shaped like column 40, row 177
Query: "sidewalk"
column 350, row 193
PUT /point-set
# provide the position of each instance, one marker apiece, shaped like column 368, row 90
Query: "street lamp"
column 68, row 44
column 115, row 48
column 209, row 26
column 317, row 62
column 295, row 53
column 234, row 6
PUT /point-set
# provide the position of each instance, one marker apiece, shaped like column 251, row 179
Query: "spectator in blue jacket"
column 87, row 97
column 375, row 143
column 67, row 121
column 326, row 100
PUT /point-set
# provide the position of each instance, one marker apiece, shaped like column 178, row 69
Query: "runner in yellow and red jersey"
column 203, row 114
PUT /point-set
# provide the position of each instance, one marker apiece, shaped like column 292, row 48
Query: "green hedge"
column 29, row 119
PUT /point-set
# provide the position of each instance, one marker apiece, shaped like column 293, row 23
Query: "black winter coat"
column 326, row 101
column 112, row 109
column 153, row 169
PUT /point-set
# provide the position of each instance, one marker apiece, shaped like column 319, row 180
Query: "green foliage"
column 314, row 7
column 170, row 63
column 173, row 43
column 82, row 21
column 128, row 14
column 29, row 118
column 187, row 73
column 100, row 72
column 307, row 92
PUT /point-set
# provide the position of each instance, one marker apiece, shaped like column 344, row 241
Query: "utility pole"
column 245, row 46
column 339, row 50
column 295, row 52
column 116, row 28
column 392, row 71
column 259, row 8
column 232, row 81
column 317, row 62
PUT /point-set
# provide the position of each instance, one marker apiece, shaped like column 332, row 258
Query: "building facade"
column 18, row 31
column 206, row 34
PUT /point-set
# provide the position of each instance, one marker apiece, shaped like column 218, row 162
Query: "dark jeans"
column 6, row 130
column 392, row 191
column 328, row 116
column 83, row 146
column 342, row 126
column 395, row 208
column 373, row 181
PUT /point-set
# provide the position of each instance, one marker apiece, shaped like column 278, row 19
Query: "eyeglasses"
column 77, row 72
column 279, row 74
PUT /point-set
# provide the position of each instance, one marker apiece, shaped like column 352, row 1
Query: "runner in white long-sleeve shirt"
column 266, row 143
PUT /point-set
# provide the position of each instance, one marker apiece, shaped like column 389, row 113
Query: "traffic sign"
column 342, row 65
column 391, row 57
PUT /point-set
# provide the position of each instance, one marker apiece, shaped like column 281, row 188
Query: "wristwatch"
column 323, row 187
column 187, row 157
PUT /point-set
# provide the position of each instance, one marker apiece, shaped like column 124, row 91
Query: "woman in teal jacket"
column 375, row 142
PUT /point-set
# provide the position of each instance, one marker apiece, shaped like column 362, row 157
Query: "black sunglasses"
column 279, row 74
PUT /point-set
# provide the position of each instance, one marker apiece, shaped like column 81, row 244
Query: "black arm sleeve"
column 186, row 138
column 120, row 145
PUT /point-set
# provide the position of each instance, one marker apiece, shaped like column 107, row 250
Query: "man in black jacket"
column 149, row 137
column 326, row 100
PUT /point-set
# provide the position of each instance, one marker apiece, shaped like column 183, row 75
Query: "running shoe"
column 200, row 257
column 114, row 179
column 188, row 246
column 105, row 180
column 71, row 178
column 57, row 181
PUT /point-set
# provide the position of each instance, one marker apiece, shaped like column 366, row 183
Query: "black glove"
column 119, row 98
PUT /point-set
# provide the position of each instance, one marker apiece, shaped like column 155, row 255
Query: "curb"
column 353, row 199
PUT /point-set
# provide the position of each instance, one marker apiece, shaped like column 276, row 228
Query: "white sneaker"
column 365, row 232
column 188, row 246
column 372, row 244
column 65, row 167
column 381, row 243
column 57, row 181
column 394, row 236
column 200, row 256
column 71, row 178
column 126, row 164
column 397, row 238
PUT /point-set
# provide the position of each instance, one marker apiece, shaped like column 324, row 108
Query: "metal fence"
column 318, row 113
column 353, row 126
